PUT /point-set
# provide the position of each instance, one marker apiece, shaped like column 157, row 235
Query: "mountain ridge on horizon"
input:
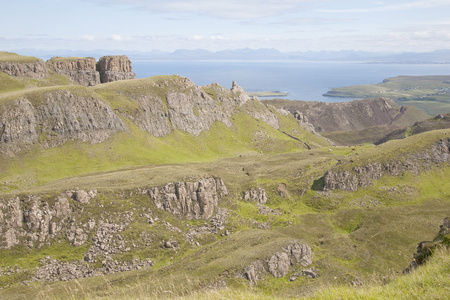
column 262, row 54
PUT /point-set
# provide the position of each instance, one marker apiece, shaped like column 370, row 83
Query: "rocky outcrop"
column 362, row 176
column 191, row 200
column 80, row 70
column 34, row 222
column 279, row 264
column 425, row 249
column 114, row 68
column 257, row 195
column 62, row 115
column 191, row 108
column 31, row 69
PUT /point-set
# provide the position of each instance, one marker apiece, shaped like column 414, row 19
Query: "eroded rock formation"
column 35, row 69
column 192, row 200
column 62, row 115
column 80, row 70
column 114, row 68
column 362, row 176
column 257, row 195
column 279, row 264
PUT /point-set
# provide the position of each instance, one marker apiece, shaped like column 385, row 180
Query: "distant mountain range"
column 263, row 54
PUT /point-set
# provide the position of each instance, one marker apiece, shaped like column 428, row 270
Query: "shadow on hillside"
column 318, row 184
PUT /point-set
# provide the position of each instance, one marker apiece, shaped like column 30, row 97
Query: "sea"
column 306, row 81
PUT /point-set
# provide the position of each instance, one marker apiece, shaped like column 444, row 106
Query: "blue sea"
column 306, row 81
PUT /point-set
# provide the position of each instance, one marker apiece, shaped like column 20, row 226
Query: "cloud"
column 390, row 6
column 88, row 37
column 116, row 37
column 230, row 9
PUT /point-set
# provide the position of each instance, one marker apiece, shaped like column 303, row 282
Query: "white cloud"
column 88, row 37
column 116, row 37
column 230, row 9
column 390, row 6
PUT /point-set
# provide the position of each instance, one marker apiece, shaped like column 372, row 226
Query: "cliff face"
column 114, row 68
column 35, row 70
column 363, row 176
column 80, row 70
column 368, row 120
column 190, row 108
column 62, row 115
column 52, row 117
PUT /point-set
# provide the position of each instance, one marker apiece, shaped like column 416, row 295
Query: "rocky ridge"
column 63, row 115
column 362, row 176
column 34, row 68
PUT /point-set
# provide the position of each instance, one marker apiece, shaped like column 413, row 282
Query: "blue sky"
column 167, row 25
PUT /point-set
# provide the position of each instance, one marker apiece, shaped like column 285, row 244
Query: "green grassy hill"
column 130, row 246
column 428, row 93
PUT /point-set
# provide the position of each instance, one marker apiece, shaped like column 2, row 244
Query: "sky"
column 168, row 25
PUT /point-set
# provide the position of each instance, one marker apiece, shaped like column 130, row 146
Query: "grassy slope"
column 349, row 239
column 365, row 234
column 428, row 93
column 438, row 122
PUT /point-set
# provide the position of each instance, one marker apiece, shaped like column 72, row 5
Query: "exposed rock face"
column 114, row 68
column 343, row 116
column 80, row 70
column 61, row 116
column 257, row 195
column 31, row 221
column 35, row 70
column 279, row 264
column 190, row 199
column 191, row 108
column 370, row 119
column 362, row 176
column 425, row 249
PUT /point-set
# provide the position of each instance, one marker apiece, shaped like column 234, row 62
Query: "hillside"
column 428, row 93
column 353, row 122
column 158, row 188
column 438, row 122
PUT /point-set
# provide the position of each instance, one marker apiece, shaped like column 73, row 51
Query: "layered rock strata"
column 35, row 70
column 191, row 200
column 61, row 116
column 80, row 70
column 114, row 68
column 362, row 176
